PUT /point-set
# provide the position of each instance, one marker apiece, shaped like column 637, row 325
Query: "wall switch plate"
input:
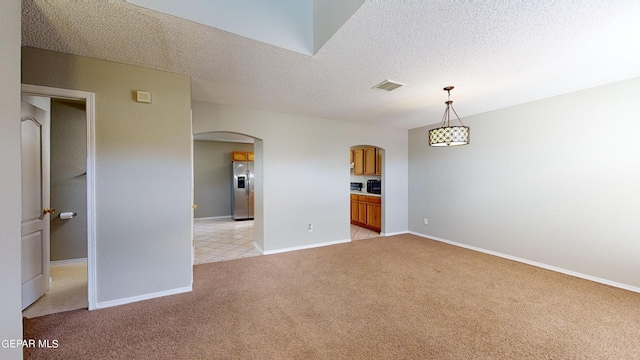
column 310, row 227
column 426, row 221
column 143, row 97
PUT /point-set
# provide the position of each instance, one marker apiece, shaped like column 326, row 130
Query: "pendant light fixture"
column 447, row 135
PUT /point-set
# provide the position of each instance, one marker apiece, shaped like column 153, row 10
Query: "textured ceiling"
column 496, row 54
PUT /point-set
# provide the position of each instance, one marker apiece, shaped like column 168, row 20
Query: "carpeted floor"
column 399, row 297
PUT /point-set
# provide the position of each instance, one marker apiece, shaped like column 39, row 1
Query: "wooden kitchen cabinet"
column 374, row 213
column 362, row 210
column 370, row 160
column 366, row 161
column 366, row 211
column 354, row 209
column 358, row 161
column 241, row 156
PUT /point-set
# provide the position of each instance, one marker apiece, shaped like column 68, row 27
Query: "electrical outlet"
column 426, row 221
column 310, row 227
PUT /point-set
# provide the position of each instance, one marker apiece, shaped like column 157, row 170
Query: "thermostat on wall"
column 143, row 97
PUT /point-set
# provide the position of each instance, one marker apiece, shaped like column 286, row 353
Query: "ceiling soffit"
column 302, row 26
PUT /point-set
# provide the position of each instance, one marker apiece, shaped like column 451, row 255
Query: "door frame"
column 89, row 99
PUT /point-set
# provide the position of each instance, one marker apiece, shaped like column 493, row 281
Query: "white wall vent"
column 388, row 85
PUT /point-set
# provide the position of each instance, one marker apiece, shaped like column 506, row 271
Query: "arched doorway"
column 218, row 235
column 367, row 191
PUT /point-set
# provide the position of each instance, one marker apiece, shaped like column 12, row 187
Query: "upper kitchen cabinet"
column 370, row 161
column 241, row 156
column 358, row 161
column 367, row 161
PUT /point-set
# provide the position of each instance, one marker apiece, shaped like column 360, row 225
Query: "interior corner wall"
column 142, row 172
column 328, row 18
column 258, row 206
column 68, row 179
column 553, row 181
column 306, row 172
column 212, row 176
column 10, row 267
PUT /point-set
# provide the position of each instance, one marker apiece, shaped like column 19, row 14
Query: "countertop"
column 364, row 193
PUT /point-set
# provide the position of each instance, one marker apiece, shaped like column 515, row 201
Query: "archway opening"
column 367, row 191
column 219, row 233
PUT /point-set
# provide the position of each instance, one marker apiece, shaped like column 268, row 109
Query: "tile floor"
column 227, row 239
column 223, row 239
column 67, row 291
column 359, row 233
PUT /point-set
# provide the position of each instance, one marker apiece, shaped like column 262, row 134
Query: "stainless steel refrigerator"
column 242, row 191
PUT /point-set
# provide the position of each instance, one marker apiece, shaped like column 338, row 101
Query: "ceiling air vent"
column 388, row 85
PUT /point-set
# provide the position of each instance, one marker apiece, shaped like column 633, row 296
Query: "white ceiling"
column 496, row 54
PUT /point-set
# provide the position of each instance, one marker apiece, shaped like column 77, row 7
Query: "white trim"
column 213, row 217
column 193, row 196
column 269, row 252
column 68, row 261
column 92, row 264
column 255, row 245
column 395, row 233
column 90, row 105
column 110, row 303
column 533, row 263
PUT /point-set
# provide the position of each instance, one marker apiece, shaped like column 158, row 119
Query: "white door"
column 35, row 203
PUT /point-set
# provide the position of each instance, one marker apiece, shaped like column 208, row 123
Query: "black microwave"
column 374, row 186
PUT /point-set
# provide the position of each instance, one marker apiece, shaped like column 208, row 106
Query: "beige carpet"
column 400, row 297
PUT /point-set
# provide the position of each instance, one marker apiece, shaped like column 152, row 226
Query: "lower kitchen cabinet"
column 374, row 213
column 362, row 210
column 366, row 211
column 354, row 210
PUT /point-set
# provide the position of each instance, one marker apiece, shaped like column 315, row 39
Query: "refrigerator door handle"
column 248, row 183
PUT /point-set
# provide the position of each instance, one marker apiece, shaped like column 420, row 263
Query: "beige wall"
column 304, row 174
column 68, row 179
column 212, row 176
column 143, row 171
column 10, row 313
column 553, row 181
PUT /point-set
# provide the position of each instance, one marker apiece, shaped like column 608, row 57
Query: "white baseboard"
column 110, row 303
column 68, row 261
column 258, row 247
column 394, row 233
column 213, row 217
column 533, row 263
column 269, row 252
